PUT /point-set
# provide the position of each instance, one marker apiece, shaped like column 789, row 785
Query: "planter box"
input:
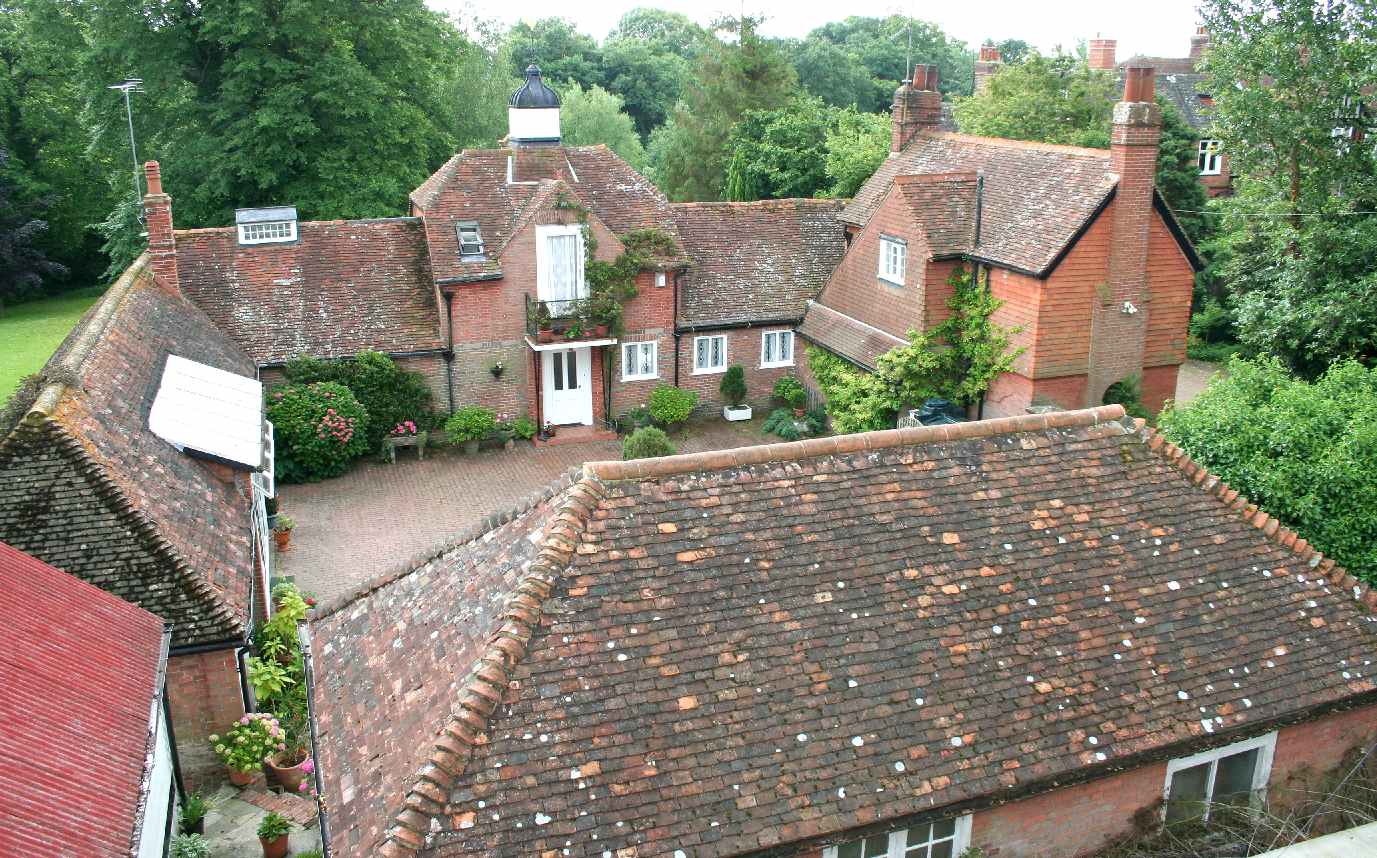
column 736, row 413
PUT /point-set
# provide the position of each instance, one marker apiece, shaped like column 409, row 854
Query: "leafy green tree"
column 779, row 153
column 1052, row 99
column 121, row 235
column 24, row 266
column 561, row 51
column 1012, row 50
column 1178, row 174
column 856, row 146
column 687, row 153
column 837, row 76
column 881, row 45
column 663, row 32
column 649, row 81
column 1304, row 452
column 1296, row 244
column 591, row 116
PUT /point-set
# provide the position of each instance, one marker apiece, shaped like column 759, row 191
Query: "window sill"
column 717, row 371
column 640, row 378
column 885, row 280
column 776, row 365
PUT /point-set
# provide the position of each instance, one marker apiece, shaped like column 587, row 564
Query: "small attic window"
column 470, row 239
column 266, row 226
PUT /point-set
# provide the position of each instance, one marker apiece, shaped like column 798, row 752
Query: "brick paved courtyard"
column 379, row 516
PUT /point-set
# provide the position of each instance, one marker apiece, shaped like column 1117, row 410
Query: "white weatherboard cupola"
column 533, row 112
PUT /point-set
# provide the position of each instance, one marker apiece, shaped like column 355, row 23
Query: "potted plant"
column 524, row 428
column 291, row 768
column 190, row 846
column 790, row 391
column 282, row 534
column 574, row 331
column 733, row 390
column 272, row 833
column 545, row 332
column 191, row 818
column 497, row 369
column 247, row 745
column 270, row 506
column 469, row 426
column 547, row 431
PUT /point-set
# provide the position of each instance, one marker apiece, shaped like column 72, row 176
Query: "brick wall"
column 1158, row 385
column 1170, row 281
column 743, row 347
column 204, row 697
column 1221, row 185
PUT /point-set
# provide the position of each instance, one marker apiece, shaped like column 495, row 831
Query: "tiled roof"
column 767, row 645
column 78, row 679
column 343, row 287
column 1037, row 196
column 90, row 489
column 848, row 337
column 945, row 205
column 473, row 185
column 1189, row 93
column 756, row 261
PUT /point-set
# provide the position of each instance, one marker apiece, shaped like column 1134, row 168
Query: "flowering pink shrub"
column 403, row 429
column 253, row 740
column 320, row 429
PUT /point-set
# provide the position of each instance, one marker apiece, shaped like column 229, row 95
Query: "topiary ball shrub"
column 733, row 386
column 647, row 443
column 319, row 428
column 670, row 405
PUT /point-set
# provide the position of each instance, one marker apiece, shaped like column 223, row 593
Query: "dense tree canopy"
column 24, row 265
column 883, row 46
column 592, row 116
column 561, row 51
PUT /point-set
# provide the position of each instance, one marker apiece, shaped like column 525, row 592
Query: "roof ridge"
column 486, row 684
column 1271, row 527
column 640, row 469
column 1010, row 143
column 820, row 202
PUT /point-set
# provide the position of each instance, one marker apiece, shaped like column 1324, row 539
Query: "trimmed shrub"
column 857, row 401
column 647, row 443
column 670, row 405
column 783, row 423
column 470, row 423
column 733, row 386
column 789, row 390
column 524, row 428
column 387, row 392
column 319, row 430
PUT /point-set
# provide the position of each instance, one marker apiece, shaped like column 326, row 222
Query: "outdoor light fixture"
column 1129, row 309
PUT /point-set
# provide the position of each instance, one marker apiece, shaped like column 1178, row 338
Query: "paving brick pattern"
column 379, row 516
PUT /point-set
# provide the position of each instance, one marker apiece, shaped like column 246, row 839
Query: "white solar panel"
column 209, row 411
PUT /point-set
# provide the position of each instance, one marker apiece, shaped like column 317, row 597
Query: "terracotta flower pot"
column 275, row 848
column 600, row 330
column 290, row 777
column 545, row 336
column 240, row 779
column 282, row 538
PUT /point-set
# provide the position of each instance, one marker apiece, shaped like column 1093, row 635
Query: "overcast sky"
column 1159, row 28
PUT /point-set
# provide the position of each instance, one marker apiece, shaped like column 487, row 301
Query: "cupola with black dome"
column 533, row 112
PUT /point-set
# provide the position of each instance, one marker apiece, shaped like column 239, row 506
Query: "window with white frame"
column 640, row 361
column 709, row 354
column 893, row 259
column 265, row 232
column 559, row 266
column 470, row 238
column 1211, row 159
column 776, row 349
column 1231, row 775
column 944, row 838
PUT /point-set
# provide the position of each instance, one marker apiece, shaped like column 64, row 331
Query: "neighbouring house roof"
column 756, row 262
column 495, row 186
column 80, row 675
column 723, row 652
column 342, row 287
column 89, row 488
column 841, row 334
column 1187, row 91
column 1037, row 196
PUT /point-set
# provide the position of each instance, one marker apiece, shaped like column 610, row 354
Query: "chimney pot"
column 162, row 245
column 1139, row 84
column 153, row 172
column 989, row 54
column 1103, row 53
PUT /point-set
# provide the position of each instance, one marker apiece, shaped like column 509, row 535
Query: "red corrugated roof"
column 78, row 674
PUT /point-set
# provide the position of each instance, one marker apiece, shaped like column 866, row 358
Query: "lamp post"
column 128, row 85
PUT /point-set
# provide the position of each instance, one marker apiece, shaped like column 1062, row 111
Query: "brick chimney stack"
column 1102, row 54
column 917, row 108
column 1200, row 43
column 157, row 212
column 986, row 66
column 1119, row 322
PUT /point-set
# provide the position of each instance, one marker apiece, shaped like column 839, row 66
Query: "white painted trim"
column 567, row 344
column 712, row 370
column 544, row 232
column 1267, row 745
column 244, row 229
column 654, row 360
column 777, row 363
column 898, row 839
column 1214, row 156
column 880, row 271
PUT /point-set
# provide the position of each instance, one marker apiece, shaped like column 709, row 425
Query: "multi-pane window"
column 777, row 348
column 470, row 238
column 640, row 361
column 944, row 838
column 267, row 231
column 559, row 263
column 710, row 354
column 893, row 259
column 1231, row 775
column 1211, row 159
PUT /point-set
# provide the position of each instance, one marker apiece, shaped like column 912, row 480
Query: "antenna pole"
column 133, row 147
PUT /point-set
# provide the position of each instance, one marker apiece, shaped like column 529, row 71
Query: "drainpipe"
column 676, row 328
column 539, row 390
column 449, row 349
column 303, row 634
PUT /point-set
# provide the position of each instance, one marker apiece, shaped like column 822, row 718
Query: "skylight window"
column 470, row 238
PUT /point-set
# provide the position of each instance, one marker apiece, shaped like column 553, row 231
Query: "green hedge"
column 320, row 428
column 387, row 392
column 670, row 404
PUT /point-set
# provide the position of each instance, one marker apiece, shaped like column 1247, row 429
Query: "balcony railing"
column 569, row 319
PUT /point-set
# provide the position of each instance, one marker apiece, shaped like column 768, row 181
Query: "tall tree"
column 747, row 73
column 779, row 153
column 1012, row 50
column 561, row 51
column 837, row 76
column 649, row 81
column 24, row 266
column 592, row 116
column 856, row 146
column 663, row 32
column 883, row 46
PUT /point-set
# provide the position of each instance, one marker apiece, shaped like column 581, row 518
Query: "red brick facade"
column 204, row 697
column 743, row 348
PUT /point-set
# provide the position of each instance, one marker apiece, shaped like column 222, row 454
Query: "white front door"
column 568, row 386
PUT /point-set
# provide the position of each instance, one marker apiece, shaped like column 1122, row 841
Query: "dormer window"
column 470, row 238
column 266, row 226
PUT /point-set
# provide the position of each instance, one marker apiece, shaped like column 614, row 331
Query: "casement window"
column 776, row 349
column 945, row 838
column 1232, row 775
column 893, row 259
column 267, row 232
column 470, row 238
column 559, row 266
column 1211, row 159
column 640, row 361
column 709, row 354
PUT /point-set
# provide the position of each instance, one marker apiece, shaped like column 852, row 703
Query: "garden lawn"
column 30, row 332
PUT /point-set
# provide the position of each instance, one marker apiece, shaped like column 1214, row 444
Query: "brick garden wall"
column 204, row 697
